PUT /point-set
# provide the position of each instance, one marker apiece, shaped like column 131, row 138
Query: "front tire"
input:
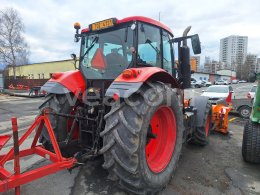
column 142, row 143
column 251, row 142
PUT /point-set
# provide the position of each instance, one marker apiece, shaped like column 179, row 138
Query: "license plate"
column 102, row 24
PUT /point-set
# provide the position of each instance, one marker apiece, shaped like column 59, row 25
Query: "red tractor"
column 126, row 102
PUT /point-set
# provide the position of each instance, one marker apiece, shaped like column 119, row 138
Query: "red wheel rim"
column 207, row 127
column 159, row 150
column 70, row 122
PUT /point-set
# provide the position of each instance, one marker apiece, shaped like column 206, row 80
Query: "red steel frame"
column 14, row 180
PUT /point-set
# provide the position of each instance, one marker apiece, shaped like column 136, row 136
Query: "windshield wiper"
column 150, row 43
column 90, row 47
column 155, row 48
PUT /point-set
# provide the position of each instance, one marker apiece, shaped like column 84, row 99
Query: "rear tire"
column 201, row 134
column 127, row 149
column 251, row 142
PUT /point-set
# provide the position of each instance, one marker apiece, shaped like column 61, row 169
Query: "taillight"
column 127, row 73
column 130, row 73
column 248, row 96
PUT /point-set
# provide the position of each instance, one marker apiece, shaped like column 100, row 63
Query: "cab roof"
column 142, row 19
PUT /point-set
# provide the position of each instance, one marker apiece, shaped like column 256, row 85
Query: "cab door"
column 168, row 57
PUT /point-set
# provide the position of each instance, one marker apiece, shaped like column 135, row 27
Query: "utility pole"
column 159, row 16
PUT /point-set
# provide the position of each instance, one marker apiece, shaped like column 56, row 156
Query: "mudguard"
column 200, row 103
column 66, row 82
column 125, row 87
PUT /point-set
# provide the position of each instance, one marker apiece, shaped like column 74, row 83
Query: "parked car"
column 196, row 83
column 221, row 82
column 218, row 92
column 242, row 107
column 215, row 92
column 206, row 83
column 251, row 93
column 234, row 81
column 242, row 81
column 227, row 81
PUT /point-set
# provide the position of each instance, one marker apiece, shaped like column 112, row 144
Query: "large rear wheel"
column 142, row 139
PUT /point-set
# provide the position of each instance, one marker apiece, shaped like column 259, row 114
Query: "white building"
column 200, row 76
column 233, row 51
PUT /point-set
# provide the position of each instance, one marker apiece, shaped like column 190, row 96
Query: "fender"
column 65, row 82
column 125, row 87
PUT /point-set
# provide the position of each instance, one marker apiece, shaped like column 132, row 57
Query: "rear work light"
column 77, row 25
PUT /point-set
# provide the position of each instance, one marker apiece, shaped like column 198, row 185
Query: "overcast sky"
column 49, row 23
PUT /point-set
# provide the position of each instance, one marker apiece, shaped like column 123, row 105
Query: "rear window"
column 217, row 89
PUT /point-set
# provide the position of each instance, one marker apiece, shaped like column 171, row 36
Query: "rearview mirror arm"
column 180, row 39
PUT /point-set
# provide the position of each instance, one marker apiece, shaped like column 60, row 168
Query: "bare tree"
column 13, row 48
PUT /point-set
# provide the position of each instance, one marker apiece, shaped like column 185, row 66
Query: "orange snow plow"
column 220, row 118
column 10, row 180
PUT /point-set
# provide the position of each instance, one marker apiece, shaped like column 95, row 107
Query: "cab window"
column 149, row 42
column 167, row 56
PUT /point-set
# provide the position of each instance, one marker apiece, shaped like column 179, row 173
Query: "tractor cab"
column 109, row 47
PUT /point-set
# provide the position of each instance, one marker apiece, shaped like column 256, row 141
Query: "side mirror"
column 195, row 42
column 73, row 56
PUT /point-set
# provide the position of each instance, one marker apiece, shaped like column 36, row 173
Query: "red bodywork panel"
column 72, row 80
column 142, row 19
column 148, row 73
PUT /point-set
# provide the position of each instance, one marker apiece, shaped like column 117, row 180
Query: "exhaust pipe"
column 184, row 58
column 185, row 33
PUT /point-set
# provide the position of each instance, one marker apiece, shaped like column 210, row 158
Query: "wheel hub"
column 161, row 139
